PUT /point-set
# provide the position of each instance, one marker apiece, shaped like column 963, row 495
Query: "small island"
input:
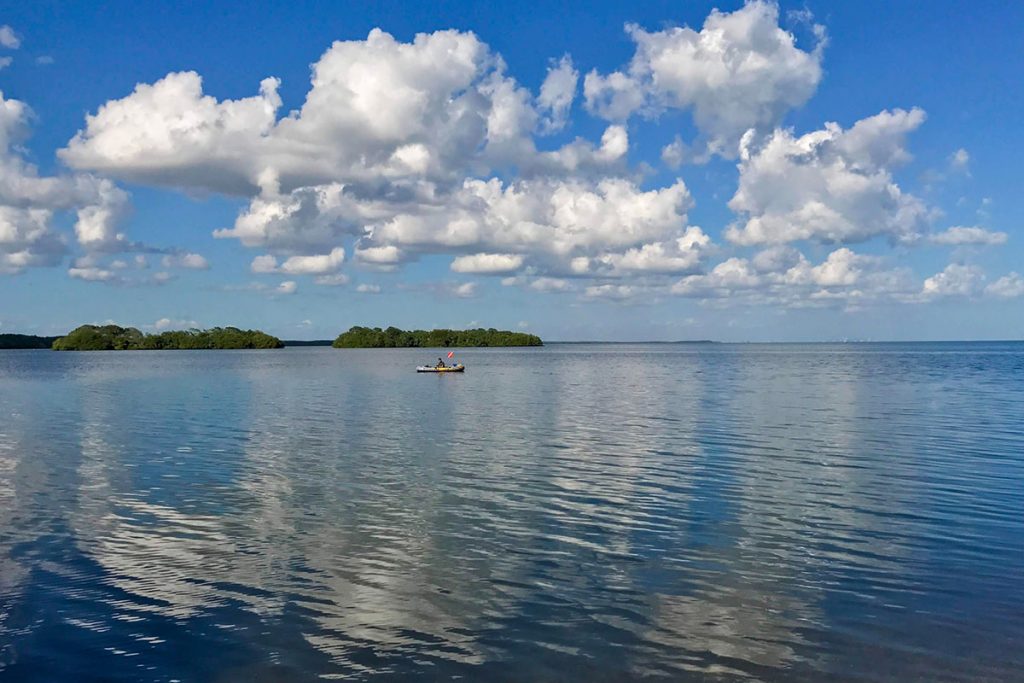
column 116, row 338
column 376, row 338
column 25, row 341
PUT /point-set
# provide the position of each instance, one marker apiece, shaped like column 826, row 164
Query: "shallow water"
column 577, row 512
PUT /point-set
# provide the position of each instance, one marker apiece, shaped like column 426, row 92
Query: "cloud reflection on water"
column 649, row 511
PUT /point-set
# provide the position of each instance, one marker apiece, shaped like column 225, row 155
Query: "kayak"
column 430, row 368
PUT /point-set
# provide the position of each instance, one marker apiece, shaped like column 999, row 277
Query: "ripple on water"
column 805, row 512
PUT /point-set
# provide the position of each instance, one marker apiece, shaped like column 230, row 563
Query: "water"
column 577, row 512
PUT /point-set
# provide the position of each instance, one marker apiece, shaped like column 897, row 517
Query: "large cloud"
column 379, row 114
column 683, row 254
column 967, row 280
column 831, row 185
column 740, row 71
column 783, row 275
column 30, row 203
column 316, row 217
column 554, row 221
column 170, row 133
column 378, row 111
column 401, row 150
column 27, row 239
column 32, row 207
column 389, row 141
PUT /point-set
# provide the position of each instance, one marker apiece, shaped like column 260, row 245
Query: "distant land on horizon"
column 26, row 341
column 18, row 341
column 116, row 338
column 112, row 337
column 639, row 341
column 358, row 337
column 308, row 342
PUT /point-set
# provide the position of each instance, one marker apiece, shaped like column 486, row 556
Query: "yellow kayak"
column 451, row 368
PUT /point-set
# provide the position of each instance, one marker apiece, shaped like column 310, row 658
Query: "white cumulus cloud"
column 378, row 111
column 187, row 260
column 612, row 292
column 546, row 217
column 388, row 255
column 781, row 275
column 34, row 206
column 390, row 151
column 464, row 290
column 333, row 280
column 27, row 239
column 674, row 153
column 488, row 264
column 740, row 71
column 318, row 264
column 959, row 160
column 8, row 38
column 683, row 254
column 315, row 264
column 962, row 235
column 30, row 203
column 955, row 280
column 92, row 274
column 557, row 93
column 429, row 148
column 831, row 185
column 266, row 263
column 99, row 267
column 1009, row 286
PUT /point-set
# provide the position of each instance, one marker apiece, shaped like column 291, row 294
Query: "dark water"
column 572, row 513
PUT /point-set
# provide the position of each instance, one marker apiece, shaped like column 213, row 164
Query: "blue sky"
column 807, row 171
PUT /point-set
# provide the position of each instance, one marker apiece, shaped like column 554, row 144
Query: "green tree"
column 25, row 341
column 114, row 338
column 374, row 338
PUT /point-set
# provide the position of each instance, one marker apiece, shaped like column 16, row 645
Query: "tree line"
column 375, row 338
column 116, row 338
column 25, row 341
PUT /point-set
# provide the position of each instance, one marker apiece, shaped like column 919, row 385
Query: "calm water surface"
column 577, row 512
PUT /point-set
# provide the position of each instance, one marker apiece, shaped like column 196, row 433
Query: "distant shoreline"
column 358, row 337
column 682, row 341
column 830, row 341
column 25, row 341
column 16, row 341
column 307, row 342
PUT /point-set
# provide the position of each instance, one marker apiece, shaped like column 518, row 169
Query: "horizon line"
column 716, row 341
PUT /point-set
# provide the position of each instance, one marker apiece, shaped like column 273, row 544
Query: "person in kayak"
column 440, row 364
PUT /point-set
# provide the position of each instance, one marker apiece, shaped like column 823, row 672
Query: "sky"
column 734, row 171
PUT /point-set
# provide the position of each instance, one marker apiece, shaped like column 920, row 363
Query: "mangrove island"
column 116, row 338
column 25, row 341
column 376, row 338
